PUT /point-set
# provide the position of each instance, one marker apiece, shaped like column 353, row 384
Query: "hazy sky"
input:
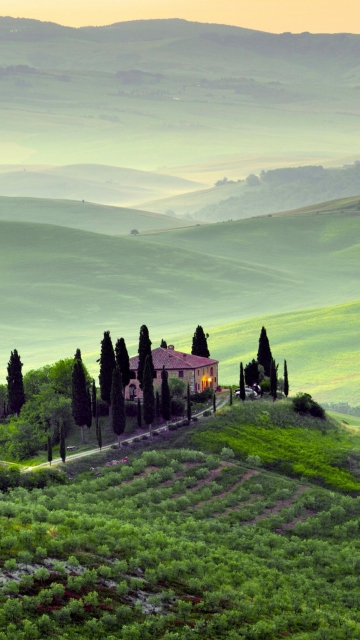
column 267, row 15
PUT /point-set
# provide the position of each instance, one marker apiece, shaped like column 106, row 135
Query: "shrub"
column 265, row 385
column 227, row 453
column 172, row 426
column 207, row 413
column 177, row 407
column 303, row 403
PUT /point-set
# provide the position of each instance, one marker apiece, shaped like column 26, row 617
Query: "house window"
column 181, row 374
column 211, row 371
column 198, row 372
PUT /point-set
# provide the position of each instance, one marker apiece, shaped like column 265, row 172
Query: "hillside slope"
column 165, row 94
column 85, row 215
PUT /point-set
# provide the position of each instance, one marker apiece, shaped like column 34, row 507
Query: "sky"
column 326, row 16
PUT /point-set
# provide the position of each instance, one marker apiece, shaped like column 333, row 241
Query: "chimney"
column 171, row 347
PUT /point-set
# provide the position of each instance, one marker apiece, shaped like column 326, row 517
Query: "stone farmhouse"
column 196, row 371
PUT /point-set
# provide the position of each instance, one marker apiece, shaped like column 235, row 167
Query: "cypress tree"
column 80, row 399
column 231, row 397
column 214, row 403
column 251, row 373
column 148, row 393
column 139, row 416
column 144, row 352
column 93, row 399
column 188, row 403
column 16, row 395
column 163, row 344
column 273, row 379
column 286, row 380
column 165, row 396
column 123, row 361
column 107, row 365
column 118, row 416
column 49, row 450
column 242, row 383
column 264, row 355
column 199, row 343
column 89, row 413
column 99, row 437
column 157, row 405
column 62, row 442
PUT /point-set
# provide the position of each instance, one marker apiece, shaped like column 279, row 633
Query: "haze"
column 266, row 15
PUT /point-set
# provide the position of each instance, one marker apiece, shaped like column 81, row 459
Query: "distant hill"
column 168, row 95
column 271, row 192
column 112, row 221
column 94, row 183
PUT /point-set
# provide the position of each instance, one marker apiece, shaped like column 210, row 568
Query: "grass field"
column 112, row 221
column 64, row 287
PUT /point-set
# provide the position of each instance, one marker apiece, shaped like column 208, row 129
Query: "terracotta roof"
column 173, row 360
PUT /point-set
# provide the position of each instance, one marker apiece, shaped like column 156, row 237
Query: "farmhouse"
column 197, row 371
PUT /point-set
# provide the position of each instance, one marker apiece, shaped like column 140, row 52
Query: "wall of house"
column 198, row 379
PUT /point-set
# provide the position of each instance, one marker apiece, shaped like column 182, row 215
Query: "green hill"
column 63, row 287
column 93, row 183
column 166, row 94
column 274, row 191
column 113, row 221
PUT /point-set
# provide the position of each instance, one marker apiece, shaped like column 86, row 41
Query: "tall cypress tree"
column 80, row 404
column 157, row 405
column 107, row 365
column 62, row 442
column 231, row 397
column 165, row 396
column 188, row 403
column 264, row 355
column 242, row 383
column 123, row 361
column 94, row 399
column 273, row 379
column 139, row 415
column 148, row 393
column 286, row 380
column 144, row 352
column 16, row 395
column 118, row 416
column 89, row 414
column 214, row 403
column 49, row 450
column 199, row 343
column 99, row 436
column 163, row 344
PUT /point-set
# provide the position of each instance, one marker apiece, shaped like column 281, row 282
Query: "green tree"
column 177, row 387
column 81, row 408
column 139, row 416
column 165, row 396
column 157, row 405
column 163, row 344
column 188, row 403
column 251, row 373
column 273, row 379
column 214, row 403
column 60, row 376
column 15, row 383
column 199, row 343
column 148, row 393
column 99, row 435
column 231, row 397
column 144, row 352
column 62, row 443
column 242, row 383
column 93, row 399
column 107, row 366
column 35, row 381
column 123, row 361
column 286, row 380
column 264, row 355
column 49, row 450
column 118, row 415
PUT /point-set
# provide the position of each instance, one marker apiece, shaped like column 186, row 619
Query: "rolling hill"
column 177, row 96
column 63, row 287
column 93, row 183
column 113, row 221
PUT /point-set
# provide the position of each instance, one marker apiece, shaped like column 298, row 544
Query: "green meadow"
column 297, row 274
